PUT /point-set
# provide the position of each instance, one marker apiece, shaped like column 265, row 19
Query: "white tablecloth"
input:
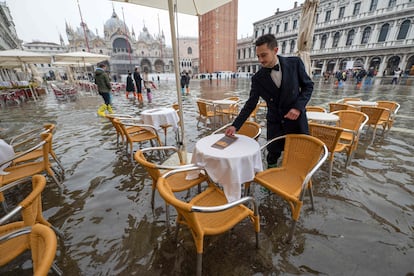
column 160, row 116
column 321, row 116
column 362, row 103
column 232, row 166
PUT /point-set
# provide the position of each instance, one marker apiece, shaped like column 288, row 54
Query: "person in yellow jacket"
column 104, row 89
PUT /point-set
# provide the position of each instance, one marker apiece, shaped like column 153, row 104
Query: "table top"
column 362, row 103
column 224, row 101
column 321, row 116
column 232, row 166
column 160, row 116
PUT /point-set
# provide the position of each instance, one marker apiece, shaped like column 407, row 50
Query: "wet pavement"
column 362, row 224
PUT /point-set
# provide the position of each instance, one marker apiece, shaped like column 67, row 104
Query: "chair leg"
column 199, row 264
column 292, row 230
column 310, row 190
column 56, row 269
column 167, row 215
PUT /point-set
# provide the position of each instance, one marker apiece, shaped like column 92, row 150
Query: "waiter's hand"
column 230, row 131
column 293, row 114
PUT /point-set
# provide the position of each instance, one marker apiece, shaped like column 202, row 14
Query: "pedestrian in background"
column 104, row 89
column 138, row 83
column 396, row 77
column 148, row 84
column 130, row 87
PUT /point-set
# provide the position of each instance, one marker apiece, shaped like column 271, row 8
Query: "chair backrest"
column 234, row 98
column 374, row 113
column 302, row 154
column 31, row 206
column 344, row 100
column 202, row 108
column 328, row 134
column 315, row 108
column 150, row 167
column 393, row 106
column 250, row 129
column 351, row 119
column 40, row 239
column 340, row 106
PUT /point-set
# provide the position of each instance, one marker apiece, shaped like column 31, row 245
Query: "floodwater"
column 362, row 224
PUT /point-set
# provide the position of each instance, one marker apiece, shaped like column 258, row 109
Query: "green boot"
column 101, row 110
column 109, row 108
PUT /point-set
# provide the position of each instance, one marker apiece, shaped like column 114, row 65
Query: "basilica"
column 126, row 49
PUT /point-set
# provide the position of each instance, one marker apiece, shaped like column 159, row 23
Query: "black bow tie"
column 276, row 68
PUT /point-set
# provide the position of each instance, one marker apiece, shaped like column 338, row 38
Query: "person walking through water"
column 183, row 81
column 396, row 76
column 286, row 87
column 130, row 87
column 148, row 84
column 138, row 83
column 104, row 89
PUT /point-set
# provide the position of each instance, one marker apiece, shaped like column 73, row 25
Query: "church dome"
column 113, row 24
column 145, row 35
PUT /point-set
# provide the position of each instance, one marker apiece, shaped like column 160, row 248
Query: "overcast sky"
column 44, row 20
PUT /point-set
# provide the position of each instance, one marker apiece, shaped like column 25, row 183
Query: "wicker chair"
column 250, row 129
column 208, row 213
column 330, row 135
column 30, row 168
column 39, row 239
column 376, row 118
column 303, row 155
column 140, row 133
column 393, row 107
column 315, row 108
column 205, row 112
column 178, row 182
column 340, row 106
column 352, row 122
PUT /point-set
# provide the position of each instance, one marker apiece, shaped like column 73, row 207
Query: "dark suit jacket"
column 295, row 91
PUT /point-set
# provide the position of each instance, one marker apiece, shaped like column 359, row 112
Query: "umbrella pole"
column 181, row 140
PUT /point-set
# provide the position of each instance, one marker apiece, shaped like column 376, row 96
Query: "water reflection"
column 362, row 223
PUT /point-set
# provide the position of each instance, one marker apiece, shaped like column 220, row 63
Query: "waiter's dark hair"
column 268, row 39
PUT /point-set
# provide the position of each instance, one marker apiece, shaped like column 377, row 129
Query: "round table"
column 161, row 118
column 362, row 103
column 232, row 166
column 321, row 116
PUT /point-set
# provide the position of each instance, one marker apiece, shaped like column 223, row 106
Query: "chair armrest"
column 23, row 153
column 27, row 133
column 220, row 208
column 16, row 233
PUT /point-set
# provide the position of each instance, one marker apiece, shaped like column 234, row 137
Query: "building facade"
column 8, row 35
column 188, row 53
column 126, row 50
column 218, row 39
column 369, row 34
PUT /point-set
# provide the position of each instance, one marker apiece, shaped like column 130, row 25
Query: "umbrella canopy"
column 191, row 7
column 19, row 57
column 306, row 31
column 80, row 57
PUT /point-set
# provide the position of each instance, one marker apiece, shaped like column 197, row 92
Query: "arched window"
column 283, row 47
column 402, row 34
column 365, row 35
column 383, row 32
column 189, row 51
column 323, row 41
column 350, row 38
column 336, row 39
